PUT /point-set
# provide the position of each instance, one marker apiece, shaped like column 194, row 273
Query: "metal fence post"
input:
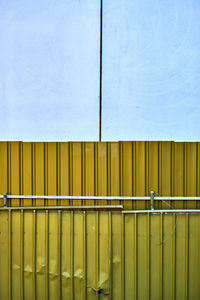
column 152, row 200
column 5, row 199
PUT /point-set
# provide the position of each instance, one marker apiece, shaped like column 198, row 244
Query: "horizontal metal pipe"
column 158, row 211
column 75, row 207
column 77, row 197
column 122, row 198
column 177, row 198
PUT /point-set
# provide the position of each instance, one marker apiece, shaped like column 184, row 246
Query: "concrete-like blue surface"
column 49, row 69
column 151, row 63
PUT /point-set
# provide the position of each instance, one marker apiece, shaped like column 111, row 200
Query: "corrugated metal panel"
column 72, row 255
column 107, row 168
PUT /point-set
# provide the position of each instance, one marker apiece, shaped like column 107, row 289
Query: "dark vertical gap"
column 45, row 172
column 146, row 173
column 159, row 191
column 184, row 191
column 95, row 186
column 71, row 156
column 9, row 171
column 172, row 188
column 70, row 178
column 83, row 172
column 100, row 83
column 21, row 201
column 133, row 174
column 197, row 175
column 58, row 172
column 33, row 171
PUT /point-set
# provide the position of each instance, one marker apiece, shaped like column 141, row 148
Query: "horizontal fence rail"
column 76, row 197
column 121, row 198
column 161, row 211
column 69, row 207
column 101, row 169
column 152, row 198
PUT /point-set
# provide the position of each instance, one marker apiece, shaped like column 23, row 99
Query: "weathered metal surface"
column 107, row 168
column 78, row 255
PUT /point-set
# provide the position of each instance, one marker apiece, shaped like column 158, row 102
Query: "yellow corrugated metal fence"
column 99, row 255
column 106, row 168
column 60, row 254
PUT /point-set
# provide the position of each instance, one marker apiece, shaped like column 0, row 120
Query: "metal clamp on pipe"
column 152, row 200
column 5, row 197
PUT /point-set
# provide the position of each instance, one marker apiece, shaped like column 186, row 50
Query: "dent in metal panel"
column 53, row 256
column 41, row 264
column 16, row 257
column 85, row 255
column 67, row 256
column 92, row 255
column 104, row 254
column 79, row 274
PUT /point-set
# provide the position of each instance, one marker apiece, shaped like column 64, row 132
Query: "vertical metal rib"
column 135, row 258
column 34, row 256
column 85, row 253
column 148, row 256
column 60, row 252
column 97, row 251
column 47, row 255
column 174, row 258
column 110, row 254
column 22, row 254
column 161, row 257
column 10, row 254
column 186, row 255
column 123, row 258
column 72, row 255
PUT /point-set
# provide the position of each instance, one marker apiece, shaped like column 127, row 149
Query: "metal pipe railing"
column 124, row 198
column 74, row 207
column 160, row 211
column 177, row 198
column 152, row 198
